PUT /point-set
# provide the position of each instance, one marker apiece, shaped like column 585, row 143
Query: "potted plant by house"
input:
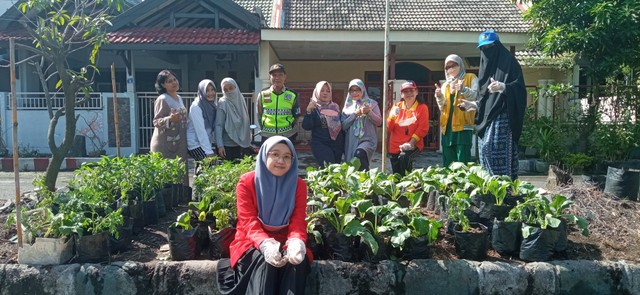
column 93, row 220
column 43, row 245
column 548, row 143
column 182, row 240
column 146, row 184
column 343, row 231
column 544, row 226
column 470, row 238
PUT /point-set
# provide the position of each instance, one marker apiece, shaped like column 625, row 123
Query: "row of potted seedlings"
column 106, row 203
column 385, row 213
column 511, row 216
column 371, row 216
column 366, row 216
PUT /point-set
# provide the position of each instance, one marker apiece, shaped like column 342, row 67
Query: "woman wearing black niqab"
column 500, row 106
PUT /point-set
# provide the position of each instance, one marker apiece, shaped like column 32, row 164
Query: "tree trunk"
column 60, row 152
column 53, row 169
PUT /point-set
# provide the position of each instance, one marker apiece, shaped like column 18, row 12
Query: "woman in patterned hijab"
column 361, row 117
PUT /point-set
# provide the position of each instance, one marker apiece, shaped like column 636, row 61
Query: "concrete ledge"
column 335, row 277
column 40, row 164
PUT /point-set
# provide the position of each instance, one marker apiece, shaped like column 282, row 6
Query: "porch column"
column 266, row 57
column 131, row 94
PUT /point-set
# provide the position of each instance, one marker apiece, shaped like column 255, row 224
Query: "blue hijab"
column 276, row 195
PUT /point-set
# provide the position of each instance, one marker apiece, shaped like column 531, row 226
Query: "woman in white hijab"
column 202, row 117
column 456, row 125
column 232, row 122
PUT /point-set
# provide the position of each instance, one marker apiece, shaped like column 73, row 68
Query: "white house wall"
column 33, row 126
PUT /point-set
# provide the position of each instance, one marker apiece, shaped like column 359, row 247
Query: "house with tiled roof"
column 341, row 40
column 315, row 39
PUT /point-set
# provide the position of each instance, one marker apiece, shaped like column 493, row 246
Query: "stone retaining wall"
column 335, row 277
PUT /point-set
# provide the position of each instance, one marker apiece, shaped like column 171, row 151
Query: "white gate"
column 145, row 114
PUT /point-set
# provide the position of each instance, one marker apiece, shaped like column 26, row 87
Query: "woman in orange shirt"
column 408, row 124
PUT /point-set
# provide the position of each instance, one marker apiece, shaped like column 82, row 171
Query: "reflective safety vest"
column 277, row 111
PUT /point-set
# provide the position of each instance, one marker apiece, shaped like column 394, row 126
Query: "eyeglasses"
column 451, row 66
column 355, row 90
column 275, row 157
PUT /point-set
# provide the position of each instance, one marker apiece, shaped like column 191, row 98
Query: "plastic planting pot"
column 182, row 244
column 472, row 245
column 506, row 237
column 542, row 244
column 93, row 248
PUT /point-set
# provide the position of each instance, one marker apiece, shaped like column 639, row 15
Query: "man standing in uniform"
column 278, row 106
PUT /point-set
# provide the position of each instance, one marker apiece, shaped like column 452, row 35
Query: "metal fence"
column 39, row 101
column 145, row 113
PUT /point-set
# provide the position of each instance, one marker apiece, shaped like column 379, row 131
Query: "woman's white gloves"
column 496, row 86
column 270, row 249
column 466, row 105
column 296, row 251
column 405, row 147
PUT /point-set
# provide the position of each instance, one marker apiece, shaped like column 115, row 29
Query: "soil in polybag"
column 182, row 244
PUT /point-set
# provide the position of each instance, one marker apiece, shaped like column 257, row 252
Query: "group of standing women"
column 351, row 132
column 212, row 126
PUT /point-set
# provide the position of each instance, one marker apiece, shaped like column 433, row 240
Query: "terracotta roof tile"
column 405, row 15
column 207, row 36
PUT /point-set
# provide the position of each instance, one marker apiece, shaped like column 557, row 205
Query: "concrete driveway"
column 8, row 187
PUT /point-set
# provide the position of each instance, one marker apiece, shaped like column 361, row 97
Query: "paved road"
column 7, row 184
column 8, row 187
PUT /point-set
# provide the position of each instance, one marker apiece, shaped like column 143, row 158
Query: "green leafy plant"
column 614, row 141
column 87, row 212
column 183, row 221
column 422, row 226
column 522, row 188
column 458, row 203
column 345, row 222
column 544, row 213
column 215, row 186
column 35, row 223
column 497, row 186
column 577, row 161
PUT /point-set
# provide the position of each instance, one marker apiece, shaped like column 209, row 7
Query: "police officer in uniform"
column 278, row 106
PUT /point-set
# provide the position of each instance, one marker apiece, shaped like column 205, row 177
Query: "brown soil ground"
column 614, row 226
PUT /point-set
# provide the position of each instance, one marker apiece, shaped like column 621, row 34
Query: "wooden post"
column 115, row 107
column 16, row 166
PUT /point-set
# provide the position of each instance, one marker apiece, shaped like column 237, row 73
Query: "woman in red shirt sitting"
column 268, row 254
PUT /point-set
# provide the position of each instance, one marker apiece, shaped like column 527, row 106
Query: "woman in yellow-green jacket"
column 456, row 125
